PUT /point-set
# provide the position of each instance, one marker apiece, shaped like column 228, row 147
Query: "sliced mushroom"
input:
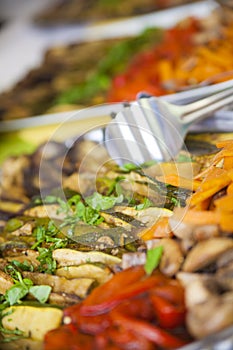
column 226, row 271
column 181, row 229
column 187, row 277
column 210, row 317
column 5, row 282
column 146, row 216
column 28, row 255
column 99, row 273
column 206, row 252
column 209, row 304
column 47, row 210
column 25, row 230
column 69, row 257
column 80, row 182
column 133, row 259
column 114, row 220
column 172, row 257
column 205, row 232
column 63, row 299
column 225, row 259
column 77, row 286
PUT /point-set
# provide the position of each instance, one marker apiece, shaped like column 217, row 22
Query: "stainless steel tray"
column 219, row 341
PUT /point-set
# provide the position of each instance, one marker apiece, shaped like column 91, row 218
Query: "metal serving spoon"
column 155, row 129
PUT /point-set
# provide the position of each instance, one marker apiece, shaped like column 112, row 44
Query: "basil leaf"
column 41, row 293
column 99, row 202
column 16, row 292
column 152, row 259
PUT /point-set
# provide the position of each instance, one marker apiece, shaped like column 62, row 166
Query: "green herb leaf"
column 47, row 263
column 24, row 266
column 153, row 258
column 99, row 202
column 27, row 282
column 16, row 293
column 175, row 201
column 129, row 167
column 41, row 293
column 145, row 204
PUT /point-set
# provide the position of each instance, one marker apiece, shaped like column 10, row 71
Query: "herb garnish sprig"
column 22, row 287
column 14, row 295
column 46, row 242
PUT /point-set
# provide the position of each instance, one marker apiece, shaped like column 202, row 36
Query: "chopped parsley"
column 46, row 242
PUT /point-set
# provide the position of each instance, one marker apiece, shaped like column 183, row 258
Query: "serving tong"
column 154, row 129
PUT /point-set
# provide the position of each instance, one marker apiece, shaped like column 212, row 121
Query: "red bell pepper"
column 91, row 325
column 168, row 314
column 172, row 292
column 66, row 338
column 118, row 282
column 148, row 331
column 116, row 298
column 127, row 339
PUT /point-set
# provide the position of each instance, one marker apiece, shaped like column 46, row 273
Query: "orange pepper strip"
column 225, row 144
column 219, row 182
column 179, row 181
column 226, row 221
column 204, row 205
column 222, row 154
column 200, row 217
column 225, row 203
column 160, row 229
column 214, row 172
column 230, row 173
column 228, row 163
column 208, row 188
column 200, row 196
column 230, row 189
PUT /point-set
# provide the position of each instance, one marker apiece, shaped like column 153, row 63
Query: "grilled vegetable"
column 32, row 321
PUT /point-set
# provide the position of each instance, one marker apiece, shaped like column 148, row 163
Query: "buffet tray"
column 24, row 43
column 220, row 341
